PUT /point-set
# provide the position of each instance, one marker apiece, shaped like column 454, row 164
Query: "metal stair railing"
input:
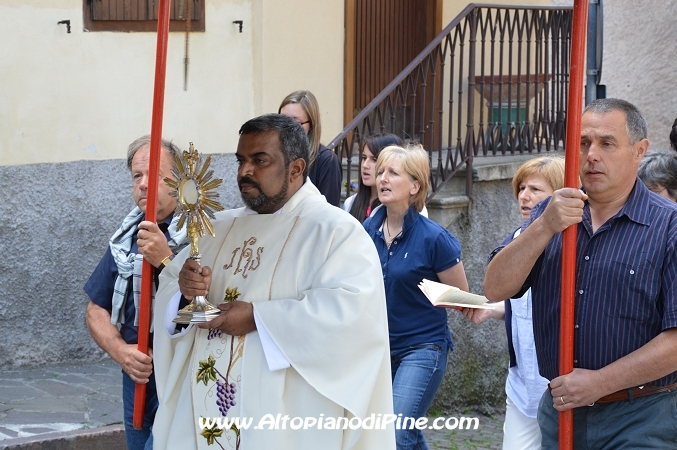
column 512, row 60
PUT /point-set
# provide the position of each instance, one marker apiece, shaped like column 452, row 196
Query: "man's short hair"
column 143, row 141
column 635, row 124
column 292, row 136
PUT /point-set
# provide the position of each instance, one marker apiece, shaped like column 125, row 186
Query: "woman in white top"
column 534, row 181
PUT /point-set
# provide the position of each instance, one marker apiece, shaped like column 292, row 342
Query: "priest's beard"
column 262, row 203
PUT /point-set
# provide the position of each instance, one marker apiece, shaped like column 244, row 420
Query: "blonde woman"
column 412, row 247
column 324, row 168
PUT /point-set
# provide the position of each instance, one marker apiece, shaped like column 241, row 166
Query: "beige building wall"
column 86, row 95
column 299, row 45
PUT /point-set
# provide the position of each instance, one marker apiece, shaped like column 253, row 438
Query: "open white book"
column 446, row 296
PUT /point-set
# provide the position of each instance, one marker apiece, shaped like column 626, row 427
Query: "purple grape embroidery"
column 225, row 396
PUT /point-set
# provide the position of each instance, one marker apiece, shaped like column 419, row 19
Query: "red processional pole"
column 151, row 198
column 573, row 140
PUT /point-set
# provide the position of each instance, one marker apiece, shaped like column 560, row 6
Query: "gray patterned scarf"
column 129, row 264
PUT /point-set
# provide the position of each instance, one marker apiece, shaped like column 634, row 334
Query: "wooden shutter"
column 119, row 10
column 388, row 35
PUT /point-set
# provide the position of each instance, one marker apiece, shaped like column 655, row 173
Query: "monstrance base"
column 198, row 311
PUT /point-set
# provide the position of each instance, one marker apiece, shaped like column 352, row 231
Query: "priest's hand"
column 236, row 319
column 194, row 279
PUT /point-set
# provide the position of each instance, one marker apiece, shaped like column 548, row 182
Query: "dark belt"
column 636, row 392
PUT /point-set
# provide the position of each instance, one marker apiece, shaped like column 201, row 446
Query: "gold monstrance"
column 196, row 205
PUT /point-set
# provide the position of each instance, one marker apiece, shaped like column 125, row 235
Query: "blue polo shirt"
column 101, row 284
column 423, row 249
column 626, row 284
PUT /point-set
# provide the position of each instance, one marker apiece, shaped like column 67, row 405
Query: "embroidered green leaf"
column 212, row 433
column 235, row 429
column 232, row 294
column 206, row 371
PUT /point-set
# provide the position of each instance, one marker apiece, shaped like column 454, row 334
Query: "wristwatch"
column 165, row 262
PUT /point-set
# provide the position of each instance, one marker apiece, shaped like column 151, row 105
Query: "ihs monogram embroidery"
column 248, row 254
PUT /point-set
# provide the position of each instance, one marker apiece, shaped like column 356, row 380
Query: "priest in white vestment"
column 300, row 350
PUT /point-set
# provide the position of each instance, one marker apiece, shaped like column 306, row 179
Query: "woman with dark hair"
column 324, row 167
column 361, row 204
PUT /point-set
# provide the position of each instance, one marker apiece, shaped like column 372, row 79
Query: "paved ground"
column 36, row 402
column 487, row 436
column 59, row 398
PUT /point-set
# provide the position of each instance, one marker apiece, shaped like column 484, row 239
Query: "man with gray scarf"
column 114, row 286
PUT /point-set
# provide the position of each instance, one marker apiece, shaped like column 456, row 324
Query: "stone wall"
column 56, row 222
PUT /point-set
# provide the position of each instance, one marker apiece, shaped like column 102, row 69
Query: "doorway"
column 382, row 38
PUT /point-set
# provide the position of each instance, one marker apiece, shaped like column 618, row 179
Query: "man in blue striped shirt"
column 624, row 383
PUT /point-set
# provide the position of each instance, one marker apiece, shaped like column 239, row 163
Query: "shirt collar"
column 379, row 215
column 637, row 206
column 250, row 212
column 164, row 226
column 409, row 218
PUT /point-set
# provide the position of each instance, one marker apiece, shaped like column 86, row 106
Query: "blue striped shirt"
column 626, row 284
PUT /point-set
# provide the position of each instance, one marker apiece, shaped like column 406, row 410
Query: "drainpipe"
column 595, row 51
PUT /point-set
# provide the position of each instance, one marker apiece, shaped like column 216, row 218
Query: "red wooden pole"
column 151, row 199
column 573, row 141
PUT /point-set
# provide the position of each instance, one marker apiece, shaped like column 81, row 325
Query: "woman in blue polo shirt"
column 411, row 248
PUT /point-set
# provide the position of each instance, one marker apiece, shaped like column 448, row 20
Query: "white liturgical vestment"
column 314, row 278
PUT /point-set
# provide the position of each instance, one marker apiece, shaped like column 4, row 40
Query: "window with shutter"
column 140, row 15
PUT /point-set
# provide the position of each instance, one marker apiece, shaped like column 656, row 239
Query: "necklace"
column 392, row 238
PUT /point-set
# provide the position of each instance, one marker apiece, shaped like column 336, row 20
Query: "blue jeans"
column 139, row 439
column 417, row 374
column 641, row 423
